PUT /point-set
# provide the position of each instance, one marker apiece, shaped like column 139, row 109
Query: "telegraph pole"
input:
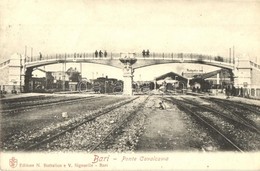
column 25, row 52
column 234, row 55
column 229, row 55
column 31, row 53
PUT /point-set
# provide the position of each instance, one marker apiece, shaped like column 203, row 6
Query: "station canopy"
column 212, row 74
column 170, row 77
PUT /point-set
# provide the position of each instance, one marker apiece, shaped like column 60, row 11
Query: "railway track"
column 233, row 117
column 250, row 107
column 21, row 99
column 46, row 104
column 117, row 127
column 49, row 137
column 225, row 140
column 234, row 109
column 244, row 106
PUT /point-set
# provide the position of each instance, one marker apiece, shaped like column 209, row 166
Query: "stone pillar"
column 27, row 77
column 154, row 84
column 128, row 80
column 128, row 60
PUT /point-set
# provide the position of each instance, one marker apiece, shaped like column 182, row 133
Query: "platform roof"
column 171, row 75
column 211, row 74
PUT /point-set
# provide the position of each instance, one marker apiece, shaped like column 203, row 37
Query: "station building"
column 11, row 72
column 172, row 81
column 213, row 79
column 247, row 74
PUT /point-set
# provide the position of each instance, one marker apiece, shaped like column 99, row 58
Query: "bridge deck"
column 112, row 59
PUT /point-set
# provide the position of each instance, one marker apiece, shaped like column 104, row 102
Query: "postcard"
column 129, row 85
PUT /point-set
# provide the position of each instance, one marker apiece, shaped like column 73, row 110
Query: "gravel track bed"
column 246, row 139
column 201, row 138
column 127, row 136
column 190, row 136
column 238, row 110
column 89, row 134
column 37, row 101
column 47, row 121
column 22, row 99
column 227, row 110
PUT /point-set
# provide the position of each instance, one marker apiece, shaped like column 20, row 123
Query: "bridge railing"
column 111, row 55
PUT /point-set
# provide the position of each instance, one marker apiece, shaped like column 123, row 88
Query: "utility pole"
column 229, row 55
column 31, row 53
column 234, row 55
column 25, row 53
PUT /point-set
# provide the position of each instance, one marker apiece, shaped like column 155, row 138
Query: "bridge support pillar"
column 27, row 77
column 128, row 74
column 128, row 81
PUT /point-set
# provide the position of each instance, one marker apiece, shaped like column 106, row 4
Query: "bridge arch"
column 146, row 63
column 111, row 63
column 115, row 60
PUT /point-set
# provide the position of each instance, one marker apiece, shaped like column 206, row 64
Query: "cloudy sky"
column 65, row 26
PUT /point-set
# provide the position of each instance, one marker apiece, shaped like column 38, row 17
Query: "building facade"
column 11, row 72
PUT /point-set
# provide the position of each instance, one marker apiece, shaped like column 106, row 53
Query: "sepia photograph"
column 129, row 85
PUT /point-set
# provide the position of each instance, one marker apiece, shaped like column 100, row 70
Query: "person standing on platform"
column 143, row 53
column 40, row 56
column 100, row 53
column 105, row 53
column 227, row 91
column 147, row 53
column 96, row 53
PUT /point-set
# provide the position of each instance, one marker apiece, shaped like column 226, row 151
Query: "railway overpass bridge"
column 128, row 62
column 113, row 59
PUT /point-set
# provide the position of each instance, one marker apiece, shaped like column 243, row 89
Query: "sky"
column 65, row 26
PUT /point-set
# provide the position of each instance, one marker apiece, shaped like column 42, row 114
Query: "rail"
column 225, row 139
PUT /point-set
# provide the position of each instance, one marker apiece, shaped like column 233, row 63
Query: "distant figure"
column 40, row 56
column 147, row 52
column 105, row 53
column 228, row 91
column 100, row 53
column 162, row 105
column 96, row 53
column 143, row 53
column 241, row 92
column 233, row 91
